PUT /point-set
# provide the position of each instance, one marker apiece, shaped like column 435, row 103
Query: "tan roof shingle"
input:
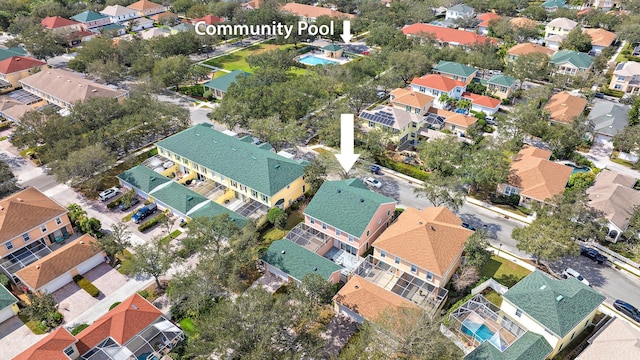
column 618, row 340
column 528, row 48
column 432, row 238
column 564, row 107
column 538, row 177
column 26, row 210
column 613, row 194
column 411, row 98
column 313, row 12
column 600, row 37
column 48, row 268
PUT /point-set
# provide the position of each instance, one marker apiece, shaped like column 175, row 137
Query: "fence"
column 499, row 288
column 615, row 255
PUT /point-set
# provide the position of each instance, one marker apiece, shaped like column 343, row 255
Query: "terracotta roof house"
column 626, row 77
column 435, row 85
column 208, row 19
column 559, row 310
column 453, row 121
column 601, row 39
column 29, row 223
column 57, row 269
column 523, row 22
column 59, row 345
column 292, row 262
column 613, row 195
column 65, row 88
column 280, row 184
column 165, row 17
column 446, row 36
column 91, row 19
column 8, row 304
column 14, row 68
column 485, row 104
column 527, row 48
column 251, row 4
column 400, row 119
column 219, row 86
column 416, row 102
column 310, row 13
column 412, row 260
column 349, row 214
column 12, row 109
column 617, row 339
column 608, row 119
column 569, row 62
column 564, row 107
column 119, row 13
column 534, row 177
column 146, row 8
column 485, row 19
column 135, row 329
column 361, row 299
column 501, row 86
column 455, row 71
column 60, row 24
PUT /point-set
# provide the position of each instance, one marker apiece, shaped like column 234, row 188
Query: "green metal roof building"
column 455, row 69
column 502, row 80
column 347, row 205
column 143, row 178
column 579, row 60
column 332, row 47
column 7, row 302
column 14, row 51
column 286, row 257
column 220, row 85
column 530, row 346
column 88, row 16
column 243, row 166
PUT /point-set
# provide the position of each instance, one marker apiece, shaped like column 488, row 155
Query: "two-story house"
column 13, row 110
column 8, row 304
column 572, row 63
column 564, row 107
column 91, row 19
column 244, row 171
column 61, row 25
column 30, row 223
column 527, row 48
column 436, row 85
column 134, row 329
column 413, row 260
column 501, row 86
column 534, row 177
column 600, row 39
column 455, row 71
column 559, row 26
column 554, row 5
column 626, row 77
column 310, row 13
column 484, row 22
column 147, row 8
column 459, row 11
column 119, row 13
column 606, row 5
column 444, row 36
column 15, row 68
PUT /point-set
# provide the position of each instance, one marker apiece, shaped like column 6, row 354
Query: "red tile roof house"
column 482, row 103
column 61, row 25
column 436, row 85
column 208, row 19
column 147, row 8
column 446, row 36
column 485, row 19
column 14, row 68
column 135, row 329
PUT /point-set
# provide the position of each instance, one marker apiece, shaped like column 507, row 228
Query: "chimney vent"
column 38, row 266
column 361, row 200
column 283, row 252
column 19, row 199
column 432, row 228
column 134, row 306
column 81, row 242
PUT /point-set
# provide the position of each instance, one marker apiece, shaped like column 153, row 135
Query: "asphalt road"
column 612, row 283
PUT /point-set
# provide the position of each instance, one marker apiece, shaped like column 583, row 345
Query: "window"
column 265, row 198
column 422, row 89
column 350, row 238
column 388, row 212
column 58, row 221
column 43, row 228
column 397, row 260
column 338, row 232
column 379, row 221
column 408, row 108
column 621, row 78
column 367, row 232
column 572, row 335
column 510, row 190
column 414, row 268
column 26, row 237
column 324, row 226
column 518, row 312
column 503, row 89
column 234, row 184
column 69, row 351
column 312, row 220
column 254, row 193
column 417, row 111
column 371, row 124
column 429, row 276
column 617, row 86
column 383, row 253
column 8, row 245
column 196, row 167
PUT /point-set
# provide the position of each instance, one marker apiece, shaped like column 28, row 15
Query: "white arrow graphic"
column 346, row 31
column 346, row 158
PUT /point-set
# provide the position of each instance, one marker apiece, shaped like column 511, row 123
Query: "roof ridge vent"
column 559, row 298
column 277, row 166
column 38, row 266
column 339, row 191
column 234, row 149
column 189, row 198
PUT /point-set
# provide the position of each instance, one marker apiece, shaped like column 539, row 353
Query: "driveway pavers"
column 106, row 278
column 15, row 337
column 73, row 300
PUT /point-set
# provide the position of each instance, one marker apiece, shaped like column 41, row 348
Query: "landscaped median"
column 86, row 285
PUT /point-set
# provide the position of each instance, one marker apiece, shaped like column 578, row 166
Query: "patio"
column 307, row 237
column 251, row 209
column 209, row 189
column 411, row 288
column 24, row 256
column 348, row 261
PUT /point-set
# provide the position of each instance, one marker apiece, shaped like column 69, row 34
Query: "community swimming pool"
column 482, row 333
column 314, row 60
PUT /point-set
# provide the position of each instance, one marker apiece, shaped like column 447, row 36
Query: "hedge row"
column 403, row 168
column 148, row 224
column 86, row 285
column 76, row 330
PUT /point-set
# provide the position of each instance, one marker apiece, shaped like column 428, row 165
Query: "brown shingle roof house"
column 613, row 194
column 564, row 107
column 65, row 88
column 39, row 275
column 25, row 210
column 411, row 98
column 617, row 339
column 311, row 12
column 534, row 176
column 50, row 348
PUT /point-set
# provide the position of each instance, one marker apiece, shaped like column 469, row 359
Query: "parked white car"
column 371, row 181
column 570, row 272
column 108, row 194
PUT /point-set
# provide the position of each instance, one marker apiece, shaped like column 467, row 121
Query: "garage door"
column 350, row 313
column 277, row 272
column 58, row 282
column 90, row 264
column 5, row 314
column 602, row 139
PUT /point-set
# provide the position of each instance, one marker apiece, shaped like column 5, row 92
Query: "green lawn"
column 294, row 219
column 238, row 59
column 323, row 151
column 621, row 57
column 494, row 298
column 504, row 271
column 31, row 324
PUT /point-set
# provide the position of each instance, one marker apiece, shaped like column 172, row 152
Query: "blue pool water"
column 145, row 355
column 579, row 169
column 482, row 334
column 314, row 60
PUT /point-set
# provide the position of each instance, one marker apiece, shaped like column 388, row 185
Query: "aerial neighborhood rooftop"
column 277, row 179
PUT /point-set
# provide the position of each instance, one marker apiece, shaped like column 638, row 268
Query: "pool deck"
column 320, row 55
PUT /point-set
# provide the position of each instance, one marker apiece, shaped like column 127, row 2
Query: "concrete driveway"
column 73, row 301
column 15, row 337
column 106, row 278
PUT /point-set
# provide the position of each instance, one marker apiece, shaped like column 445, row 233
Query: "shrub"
column 506, row 101
column 115, row 304
column 403, row 168
column 86, row 285
column 143, row 293
column 5, row 125
column 76, row 330
column 148, row 224
column 114, row 204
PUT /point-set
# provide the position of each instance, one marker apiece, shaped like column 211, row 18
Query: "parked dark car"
column 144, row 212
column 599, row 95
column 593, row 254
column 375, row 169
column 130, row 204
column 627, row 309
column 468, row 226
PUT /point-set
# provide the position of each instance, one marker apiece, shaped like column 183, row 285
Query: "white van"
column 108, row 194
column 570, row 272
